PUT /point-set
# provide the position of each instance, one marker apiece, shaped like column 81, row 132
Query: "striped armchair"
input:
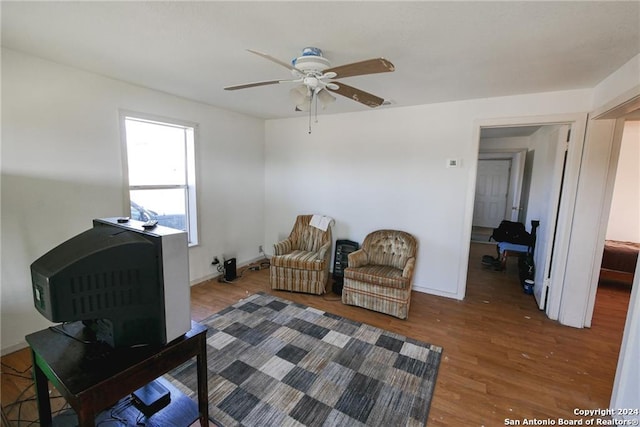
column 379, row 275
column 300, row 263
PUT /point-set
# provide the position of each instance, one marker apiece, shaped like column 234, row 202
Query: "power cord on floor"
column 5, row 419
column 324, row 296
column 251, row 267
column 332, row 299
column 16, row 372
column 12, row 413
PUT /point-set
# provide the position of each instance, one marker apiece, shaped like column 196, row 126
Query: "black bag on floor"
column 512, row 232
column 489, row 260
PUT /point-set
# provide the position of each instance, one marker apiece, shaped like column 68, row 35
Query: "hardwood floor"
column 503, row 359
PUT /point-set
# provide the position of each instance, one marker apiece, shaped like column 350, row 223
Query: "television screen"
column 129, row 284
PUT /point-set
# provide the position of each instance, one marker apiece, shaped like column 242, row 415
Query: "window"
column 161, row 169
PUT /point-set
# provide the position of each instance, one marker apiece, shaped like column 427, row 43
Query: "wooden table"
column 92, row 379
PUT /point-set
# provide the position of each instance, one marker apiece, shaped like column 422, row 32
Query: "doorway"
column 622, row 236
column 577, row 213
column 519, row 176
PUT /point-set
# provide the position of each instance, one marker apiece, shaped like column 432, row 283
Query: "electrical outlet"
column 260, row 249
column 215, row 261
column 453, row 163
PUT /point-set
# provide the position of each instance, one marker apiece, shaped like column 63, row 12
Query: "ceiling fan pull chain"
column 316, row 112
column 310, row 105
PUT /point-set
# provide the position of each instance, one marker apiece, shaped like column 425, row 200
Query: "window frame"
column 191, row 167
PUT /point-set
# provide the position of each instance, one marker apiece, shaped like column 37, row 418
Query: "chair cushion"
column 389, row 247
column 305, row 237
column 383, row 275
column 299, row 259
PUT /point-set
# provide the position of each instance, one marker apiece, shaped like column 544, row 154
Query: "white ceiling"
column 443, row 51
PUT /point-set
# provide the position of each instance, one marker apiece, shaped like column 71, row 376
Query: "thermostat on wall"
column 453, row 163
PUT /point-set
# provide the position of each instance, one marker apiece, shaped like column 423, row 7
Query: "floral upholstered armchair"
column 300, row 263
column 379, row 275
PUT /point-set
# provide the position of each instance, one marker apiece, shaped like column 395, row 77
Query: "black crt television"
column 129, row 284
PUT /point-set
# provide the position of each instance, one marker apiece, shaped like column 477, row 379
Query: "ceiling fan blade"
column 247, row 85
column 276, row 60
column 357, row 95
column 369, row 66
column 263, row 83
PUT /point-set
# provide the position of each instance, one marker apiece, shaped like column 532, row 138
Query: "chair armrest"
column 358, row 258
column 283, row 247
column 323, row 252
column 407, row 272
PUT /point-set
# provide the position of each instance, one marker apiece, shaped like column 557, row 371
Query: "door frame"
column 577, row 122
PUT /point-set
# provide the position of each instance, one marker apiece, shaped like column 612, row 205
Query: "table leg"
column 86, row 418
column 203, row 398
column 42, row 393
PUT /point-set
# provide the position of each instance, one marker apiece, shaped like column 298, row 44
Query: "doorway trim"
column 577, row 122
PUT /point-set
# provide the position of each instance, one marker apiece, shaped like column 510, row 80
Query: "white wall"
column 617, row 87
column 387, row 169
column 62, row 167
column 624, row 218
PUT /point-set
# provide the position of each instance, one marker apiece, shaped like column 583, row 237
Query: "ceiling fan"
column 317, row 78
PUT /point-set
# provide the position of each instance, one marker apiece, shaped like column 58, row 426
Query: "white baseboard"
column 13, row 348
column 216, row 275
column 436, row 292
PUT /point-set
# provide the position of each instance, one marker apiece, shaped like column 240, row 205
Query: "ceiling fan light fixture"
column 299, row 95
column 325, row 98
column 304, row 106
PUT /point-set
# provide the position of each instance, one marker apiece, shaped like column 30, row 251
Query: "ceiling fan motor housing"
column 311, row 62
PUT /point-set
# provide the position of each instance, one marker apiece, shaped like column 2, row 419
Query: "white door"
column 547, row 233
column 492, row 186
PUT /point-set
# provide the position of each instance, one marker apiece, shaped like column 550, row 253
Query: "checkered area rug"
column 273, row 362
